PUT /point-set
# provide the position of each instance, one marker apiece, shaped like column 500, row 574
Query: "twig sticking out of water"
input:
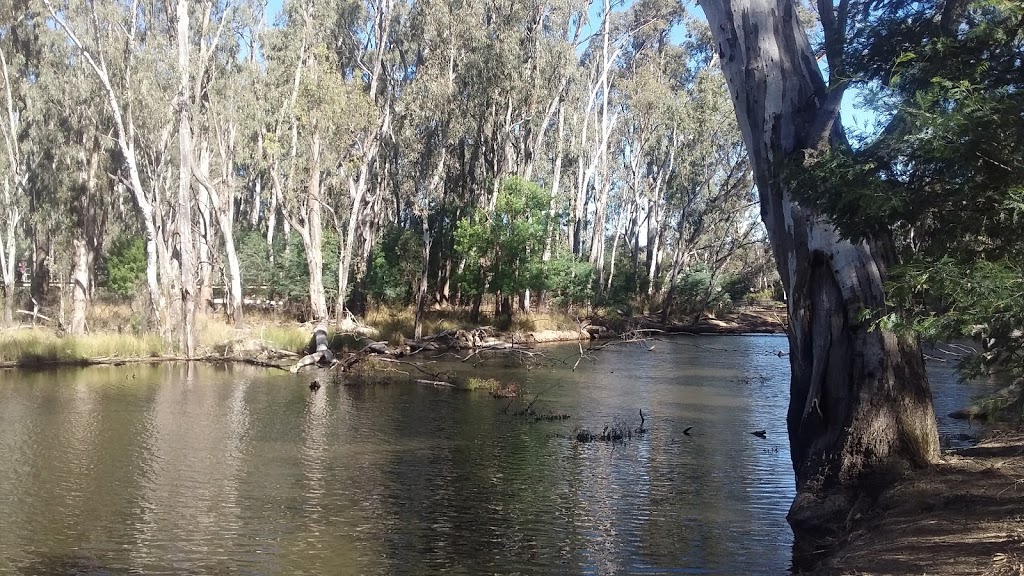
column 641, row 429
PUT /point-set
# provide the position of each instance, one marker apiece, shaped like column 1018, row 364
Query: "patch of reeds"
column 617, row 432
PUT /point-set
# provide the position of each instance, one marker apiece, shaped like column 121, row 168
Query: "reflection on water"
column 232, row 470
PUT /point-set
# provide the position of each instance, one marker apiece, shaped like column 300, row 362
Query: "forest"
column 334, row 155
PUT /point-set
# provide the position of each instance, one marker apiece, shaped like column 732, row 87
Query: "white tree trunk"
column 312, row 237
column 186, row 248
column 13, row 190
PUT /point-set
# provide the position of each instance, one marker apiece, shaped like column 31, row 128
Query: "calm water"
column 236, row 470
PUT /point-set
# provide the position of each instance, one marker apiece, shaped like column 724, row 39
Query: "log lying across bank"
column 455, row 341
column 486, row 338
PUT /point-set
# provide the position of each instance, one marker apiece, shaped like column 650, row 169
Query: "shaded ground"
column 963, row 516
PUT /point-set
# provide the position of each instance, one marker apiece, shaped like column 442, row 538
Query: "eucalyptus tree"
column 77, row 195
column 594, row 125
column 422, row 138
column 372, row 40
column 860, row 406
column 220, row 92
column 16, row 43
column 290, row 51
column 142, row 124
column 711, row 185
column 650, row 100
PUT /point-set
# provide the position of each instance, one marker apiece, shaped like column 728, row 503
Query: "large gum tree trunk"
column 860, row 407
column 312, row 238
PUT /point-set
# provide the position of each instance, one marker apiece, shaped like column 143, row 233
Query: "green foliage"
column 950, row 298
column 627, row 282
column 569, row 280
column 395, row 267
column 736, row 287
column 254, row 261
column 692, row 286
column 291, row 274
column 696, row 291
column 503, row 250
column 126, row 266
column 943, row 180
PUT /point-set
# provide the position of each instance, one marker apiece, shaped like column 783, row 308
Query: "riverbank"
column 964, row 515
column 276, row 342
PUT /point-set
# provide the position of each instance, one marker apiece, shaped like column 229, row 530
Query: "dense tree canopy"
column 260, row 156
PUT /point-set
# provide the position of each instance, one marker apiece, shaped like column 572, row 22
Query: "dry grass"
column 215, row 331
column 119, row 330
column 396, row 323
column 41, row 345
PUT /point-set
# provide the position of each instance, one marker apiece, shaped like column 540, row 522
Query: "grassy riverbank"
column 40, row 345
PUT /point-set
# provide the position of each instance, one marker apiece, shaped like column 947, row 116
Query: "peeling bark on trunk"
column 13, row 185
column 223, row 205
column 204, row 243
column 860, row 407
column 85, row 239
column 7, row 263
column 125, row 136
column 81, row 264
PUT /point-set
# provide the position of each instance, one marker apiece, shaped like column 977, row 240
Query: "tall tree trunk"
column 223, row 203
column 184, row 214
column 234, row 270
column 204, row 255
column 556, row 180
column 312, row 237
column 13, row 184
column 81, row 265
column 84, row 238
column 8, row 255
column 860, row 407
column 680, row 261
column 346, row 244
column 421, row 293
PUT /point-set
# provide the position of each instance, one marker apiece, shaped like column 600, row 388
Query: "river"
column 211, row 469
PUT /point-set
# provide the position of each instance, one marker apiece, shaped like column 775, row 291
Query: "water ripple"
column 230, row 470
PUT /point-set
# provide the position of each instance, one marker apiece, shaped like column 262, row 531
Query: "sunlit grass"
column 39, row 345
column 122, row 337
column 215, row 331
column 292, row 338
column 395, row 322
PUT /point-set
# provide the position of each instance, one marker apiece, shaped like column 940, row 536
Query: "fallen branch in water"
column 435, row 383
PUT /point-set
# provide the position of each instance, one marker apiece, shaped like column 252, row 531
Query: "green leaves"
column 943, row 179
column 503, row 249
column 126, row 266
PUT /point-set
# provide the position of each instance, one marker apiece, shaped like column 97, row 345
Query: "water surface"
column 200, row 469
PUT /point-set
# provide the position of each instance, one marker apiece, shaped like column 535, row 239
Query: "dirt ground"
column 964, row 515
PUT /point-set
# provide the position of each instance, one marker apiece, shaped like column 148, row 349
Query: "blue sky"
column 853, row 116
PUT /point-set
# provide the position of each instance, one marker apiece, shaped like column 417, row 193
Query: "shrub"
column 125, row 266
